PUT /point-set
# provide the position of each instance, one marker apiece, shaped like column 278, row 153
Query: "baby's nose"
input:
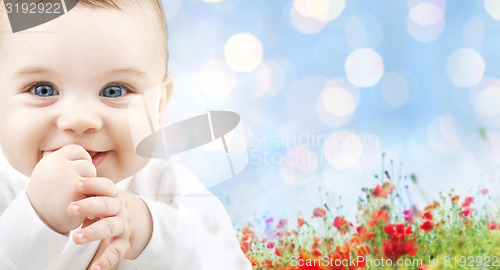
column 80, row 119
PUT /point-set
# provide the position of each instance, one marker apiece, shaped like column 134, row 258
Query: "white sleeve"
column 25, row 241
column 191, row 231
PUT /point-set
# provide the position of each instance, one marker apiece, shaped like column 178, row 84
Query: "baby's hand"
column 123, row 220
column 52, row 186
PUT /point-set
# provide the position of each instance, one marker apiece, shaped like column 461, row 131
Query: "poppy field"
column 453, row 232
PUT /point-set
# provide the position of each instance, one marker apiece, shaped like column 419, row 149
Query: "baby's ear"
column 165, row 93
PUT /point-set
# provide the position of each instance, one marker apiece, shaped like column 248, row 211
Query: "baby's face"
column 73, row 80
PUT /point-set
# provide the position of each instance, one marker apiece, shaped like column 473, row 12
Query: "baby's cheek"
column 21, row 136
column 138, row 124
column 20, row 158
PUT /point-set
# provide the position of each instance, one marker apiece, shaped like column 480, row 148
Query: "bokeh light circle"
column 306, row 25
column 493, row 8
column 216, row 80
column 337, row 102
column 343, row 150
column 465, row 67
column 443, row 134
column 394, row 89
column 321, row 10
column 425, row 20
column 270, row 78
column 487, row 102
column 426, row 14
column 243, row 52
column 364, row 67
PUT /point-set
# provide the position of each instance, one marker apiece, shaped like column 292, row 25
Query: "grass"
column 453, row 232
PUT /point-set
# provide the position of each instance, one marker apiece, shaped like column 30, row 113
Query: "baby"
column 76, row 195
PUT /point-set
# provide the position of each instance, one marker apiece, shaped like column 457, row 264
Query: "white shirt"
column 191, row 229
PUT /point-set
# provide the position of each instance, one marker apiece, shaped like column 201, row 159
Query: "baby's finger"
column 75, row 152
column 46, row 153
column 102, row 229
column 91, row 207
column 84, row 168
column 115, row 251
column 97, row 186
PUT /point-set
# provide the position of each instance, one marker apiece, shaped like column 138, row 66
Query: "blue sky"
column 416, row 80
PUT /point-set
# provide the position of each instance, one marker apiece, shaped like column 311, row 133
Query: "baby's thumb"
column 45, row 153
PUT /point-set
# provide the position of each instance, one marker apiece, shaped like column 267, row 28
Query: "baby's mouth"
column 93, row 154
column 97, row 157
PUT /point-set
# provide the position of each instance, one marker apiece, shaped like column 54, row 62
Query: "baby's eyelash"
column 35, row 84
column 127, row 87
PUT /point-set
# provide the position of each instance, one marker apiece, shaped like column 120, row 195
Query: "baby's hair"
column 155, row 4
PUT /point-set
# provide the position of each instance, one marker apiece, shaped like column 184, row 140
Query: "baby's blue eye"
column 113, row 91
column 44, row 90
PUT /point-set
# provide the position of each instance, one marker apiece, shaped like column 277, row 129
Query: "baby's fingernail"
column 76, row 209
column 80, row 237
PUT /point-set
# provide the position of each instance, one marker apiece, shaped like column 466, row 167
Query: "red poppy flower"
column 364, row 234
column 255, row 262
column 465, row 212
column 363, row 251
column 383, row 190
column 245, row 237
column 427, row 215
column 246, row 246
column 247, row 230
column 468, row 201
column 432, row 206
column 395, row 249
column 341, row 224
column 316, row 253
column 455, row 198
column 282, row 223
column 319, row 212
column 379, row 217
column 427, row 226
column 494, row 226
column 270, row 245
column 300, row 222
column 398, row 230
column 278, row 251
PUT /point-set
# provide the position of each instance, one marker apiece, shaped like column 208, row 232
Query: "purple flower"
column 269, row 220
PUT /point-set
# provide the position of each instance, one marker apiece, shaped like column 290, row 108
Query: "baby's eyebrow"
column 130, row 71
column 31, row 71
column 41, row 70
